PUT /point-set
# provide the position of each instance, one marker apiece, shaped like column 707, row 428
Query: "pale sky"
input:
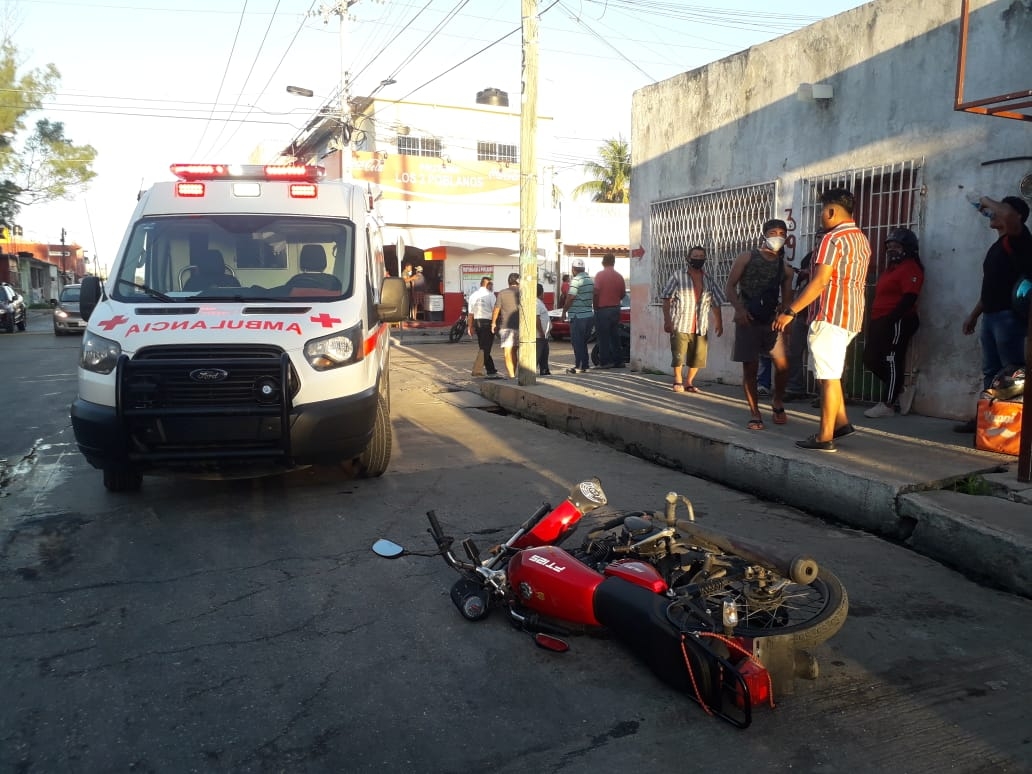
column 149, row 83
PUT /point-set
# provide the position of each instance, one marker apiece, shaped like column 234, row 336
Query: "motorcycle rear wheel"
column 810, row 613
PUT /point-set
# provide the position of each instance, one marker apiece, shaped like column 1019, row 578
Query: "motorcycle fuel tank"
column 551, row 582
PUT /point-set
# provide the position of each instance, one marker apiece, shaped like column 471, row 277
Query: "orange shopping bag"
column 999, row 426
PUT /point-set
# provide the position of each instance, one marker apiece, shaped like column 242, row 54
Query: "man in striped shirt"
column 837, row 285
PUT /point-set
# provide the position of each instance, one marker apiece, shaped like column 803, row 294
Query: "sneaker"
column 842, row 432
column 763, row 391
column 966, row 427
column 813, row 444
column 879, row 410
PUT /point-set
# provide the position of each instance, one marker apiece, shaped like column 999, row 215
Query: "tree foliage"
column 611, row 174
column 43, row 165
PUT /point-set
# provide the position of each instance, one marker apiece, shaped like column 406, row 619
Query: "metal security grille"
column 887, row 196
column 725, row 222
column 496, row 151
column 419, row 146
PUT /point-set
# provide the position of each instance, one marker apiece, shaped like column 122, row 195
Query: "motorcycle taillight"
column 552, row 528
column 758, row 680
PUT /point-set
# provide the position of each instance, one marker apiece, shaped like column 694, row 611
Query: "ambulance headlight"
column 98, row 354
column 335, row 350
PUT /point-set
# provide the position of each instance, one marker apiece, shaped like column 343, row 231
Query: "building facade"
column 863, row 99
column 448, row 182
column 39, row 271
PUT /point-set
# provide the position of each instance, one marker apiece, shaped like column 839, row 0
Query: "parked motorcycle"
column 460, row 326
column 728, row 622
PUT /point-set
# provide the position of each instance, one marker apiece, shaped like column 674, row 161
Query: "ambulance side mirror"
column 90, row 293
column 394, row 300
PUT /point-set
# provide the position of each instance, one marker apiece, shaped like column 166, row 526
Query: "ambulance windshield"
column 238, row 258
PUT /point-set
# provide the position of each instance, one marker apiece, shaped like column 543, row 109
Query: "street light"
column 300, row 91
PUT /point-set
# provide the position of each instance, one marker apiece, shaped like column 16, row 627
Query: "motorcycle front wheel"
column 810, row 613
column 458, row 330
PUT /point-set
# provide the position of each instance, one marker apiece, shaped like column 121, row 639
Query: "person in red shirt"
column 893, row 318
column 609, row 292
column 837, row 285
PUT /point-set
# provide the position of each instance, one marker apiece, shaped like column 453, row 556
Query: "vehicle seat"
column 312, row 262
column 210, row 271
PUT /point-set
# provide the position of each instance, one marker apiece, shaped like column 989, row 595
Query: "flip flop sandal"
column 755, row 424
column 780, row 417
column 692, row 388
column 678, row 387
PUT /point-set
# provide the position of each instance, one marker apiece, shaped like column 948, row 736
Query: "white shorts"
column 508, row 337
column 828, row 345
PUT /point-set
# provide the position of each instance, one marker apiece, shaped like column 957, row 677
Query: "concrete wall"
column 892, row 66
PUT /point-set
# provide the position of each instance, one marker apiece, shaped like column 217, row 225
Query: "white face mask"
column 775, row 243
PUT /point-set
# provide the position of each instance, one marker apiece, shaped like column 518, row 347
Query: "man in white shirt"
column 481, row 309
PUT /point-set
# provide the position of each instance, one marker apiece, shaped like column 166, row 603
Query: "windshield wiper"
column 148, row 290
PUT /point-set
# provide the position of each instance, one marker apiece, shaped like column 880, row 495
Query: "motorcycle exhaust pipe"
column 799, row 569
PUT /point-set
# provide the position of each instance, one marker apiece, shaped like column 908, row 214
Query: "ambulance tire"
column 377, row 455
column 122, row 479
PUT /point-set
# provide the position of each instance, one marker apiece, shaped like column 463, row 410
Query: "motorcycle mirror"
column 388, row 549
column 548, row 642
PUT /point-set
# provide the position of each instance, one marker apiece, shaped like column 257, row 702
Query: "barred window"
column 726, row 223
column 418, row 146
column 496, row 151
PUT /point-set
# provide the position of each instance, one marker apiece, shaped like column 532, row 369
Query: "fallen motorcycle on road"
column 728, row 622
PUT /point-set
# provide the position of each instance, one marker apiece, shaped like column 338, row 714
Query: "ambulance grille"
column 225, row 377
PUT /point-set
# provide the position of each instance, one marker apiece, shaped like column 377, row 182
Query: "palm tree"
column 612, row 174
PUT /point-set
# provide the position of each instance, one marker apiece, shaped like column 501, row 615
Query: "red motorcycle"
column 728, row 622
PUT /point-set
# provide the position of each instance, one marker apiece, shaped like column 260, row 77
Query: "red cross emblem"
column 113, row 322
column 326, row 321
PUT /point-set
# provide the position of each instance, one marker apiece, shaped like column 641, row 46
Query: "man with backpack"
column 757, row 287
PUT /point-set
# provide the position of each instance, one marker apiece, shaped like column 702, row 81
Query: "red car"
column 561, row 328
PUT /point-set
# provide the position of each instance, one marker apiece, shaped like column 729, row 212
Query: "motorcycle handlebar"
column 799, row 569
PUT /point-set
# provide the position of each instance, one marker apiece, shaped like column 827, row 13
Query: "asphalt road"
column 247, row 626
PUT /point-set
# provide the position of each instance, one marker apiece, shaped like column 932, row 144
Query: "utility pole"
column 340, row 9
column 527, row 370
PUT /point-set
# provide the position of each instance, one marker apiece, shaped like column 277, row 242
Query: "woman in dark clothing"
column 893, row 318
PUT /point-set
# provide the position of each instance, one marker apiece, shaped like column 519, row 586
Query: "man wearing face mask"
column 893, row 318
column 690, row 296
column 757, row 287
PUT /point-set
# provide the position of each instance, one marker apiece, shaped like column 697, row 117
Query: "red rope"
column 691, row 676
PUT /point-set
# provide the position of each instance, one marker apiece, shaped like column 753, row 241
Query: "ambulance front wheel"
column 122, row 479
column 377, row 455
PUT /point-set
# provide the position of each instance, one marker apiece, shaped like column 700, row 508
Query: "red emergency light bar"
column 300, row 172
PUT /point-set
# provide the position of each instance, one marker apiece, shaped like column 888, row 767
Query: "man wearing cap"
column 1002, row 335
column 579, row 311
column 757, row 286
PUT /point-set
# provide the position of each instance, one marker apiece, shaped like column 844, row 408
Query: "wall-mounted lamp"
column 815, row 92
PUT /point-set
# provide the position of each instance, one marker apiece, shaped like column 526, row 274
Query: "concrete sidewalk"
column 894, row 477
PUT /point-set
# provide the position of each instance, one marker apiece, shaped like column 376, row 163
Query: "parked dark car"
column 12, row 309
column 67, row 318
column 561, row 328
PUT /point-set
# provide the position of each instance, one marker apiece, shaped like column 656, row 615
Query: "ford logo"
column 208, row 375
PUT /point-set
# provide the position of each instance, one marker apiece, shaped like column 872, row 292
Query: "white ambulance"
column 242, row 330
